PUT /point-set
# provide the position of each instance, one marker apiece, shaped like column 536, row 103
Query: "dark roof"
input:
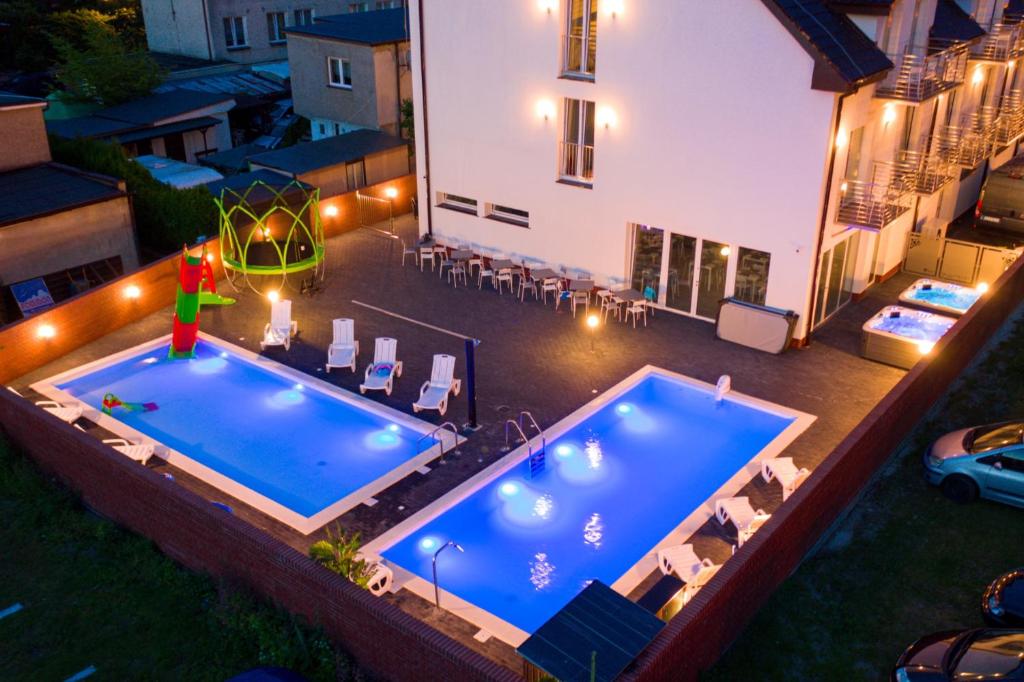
column 168, row 129
column 369, row 28
column 862, row 6
column 1014, row 11
column 331, row 151
column 844, row 57
column 48, row 188
column 237, row 185
column 10, row 99
column 88, row 126
column 232, row 160
column 598, row 619
column 953, row 25
column 155, row 108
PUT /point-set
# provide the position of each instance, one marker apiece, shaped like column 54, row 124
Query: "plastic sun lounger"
column 66, row 413
column 344, row 348
column 281, row 328
column 688, row 567
column 787, row 474
column 434, row 393
column 140, row 452
column 707, row 572
column 743, row 517
column 380, row 374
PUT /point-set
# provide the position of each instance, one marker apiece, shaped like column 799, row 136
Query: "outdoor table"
column 461, row 254
column 629, row 295
column 581, row 284
column 541, row 274
column 503, row 263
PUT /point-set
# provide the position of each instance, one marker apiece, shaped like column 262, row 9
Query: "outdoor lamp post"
column 592, row 322
column 450, row 543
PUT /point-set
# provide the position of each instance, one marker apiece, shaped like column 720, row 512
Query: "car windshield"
column 992, row 653
column 985, row 438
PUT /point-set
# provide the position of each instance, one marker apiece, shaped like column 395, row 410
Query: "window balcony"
column 1009, row 124
column 579, row 56
column 576, row 163
column 1001, row 43
column 931, row 171
column 874, row 204
column 921, row 73
column 964, row 146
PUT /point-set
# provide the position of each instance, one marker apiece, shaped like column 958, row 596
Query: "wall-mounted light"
column 978, row 76
column 725, row 251
column 843, row 187
column 888, row 114
column 842, row 138
column 606, row 117
column 273, row 296
column 331, row 211
column 1011, row 65
column 545, row 109
column 612, row 8
column 46, row 331
column 209, row 258
column 132, row 292
column 548, row 6
column 391, row 192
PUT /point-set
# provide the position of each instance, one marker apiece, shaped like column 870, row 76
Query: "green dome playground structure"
column 269, row 231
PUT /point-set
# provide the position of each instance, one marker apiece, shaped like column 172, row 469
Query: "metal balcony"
column 964, row 146
column 875, row 204
column 921, row 73
column 579, row 56
column 576, row 162
column 1001, row 43
column 1009, row 125
column 932, row 171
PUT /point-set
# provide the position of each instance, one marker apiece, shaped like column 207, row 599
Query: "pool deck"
column 529, row 358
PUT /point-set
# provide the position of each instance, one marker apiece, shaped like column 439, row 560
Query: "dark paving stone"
column 529, row 358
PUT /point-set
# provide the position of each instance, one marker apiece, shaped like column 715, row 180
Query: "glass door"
column 835, row 278
column 682, row 256
column 714, row 265
column 648, row 246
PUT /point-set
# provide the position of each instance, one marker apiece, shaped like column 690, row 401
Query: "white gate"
column 955, row 260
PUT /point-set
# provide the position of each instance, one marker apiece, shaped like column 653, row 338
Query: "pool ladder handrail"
column 443, row 426
column 536, row 459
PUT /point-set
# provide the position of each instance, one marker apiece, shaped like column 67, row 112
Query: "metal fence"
column 955, row 260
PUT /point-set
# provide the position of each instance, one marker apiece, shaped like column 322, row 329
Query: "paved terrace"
column 530, row 358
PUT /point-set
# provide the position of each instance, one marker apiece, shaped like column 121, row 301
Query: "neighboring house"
column 181, row 125
column 777, row 151
column 340, row 164
column 70, row 228
column 351, row 71
column 235, row 30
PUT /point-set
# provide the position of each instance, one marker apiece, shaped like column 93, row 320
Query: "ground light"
column 450, row 543
column 273, row 296
column 982, row 287
column 592, row 322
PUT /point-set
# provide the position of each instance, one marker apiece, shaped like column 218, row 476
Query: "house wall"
column 333, row 181
column 63, row 240
column 24, row 135
column 259, row 48
column 315, row 98
column 177, row 27
column 394, row 84
column 726, row 144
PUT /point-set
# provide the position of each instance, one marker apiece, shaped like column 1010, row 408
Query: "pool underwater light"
column 624, row 408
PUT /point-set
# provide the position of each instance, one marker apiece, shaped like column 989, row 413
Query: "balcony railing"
column 1001, row 43
column 1009, row 125
column 576, row 162
column 921, row 73
column 963, row 146
column 579, row 56
column 874, row 204
column 932, row 171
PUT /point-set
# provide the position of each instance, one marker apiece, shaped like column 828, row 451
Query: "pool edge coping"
column 303, row 524
column 633, row 576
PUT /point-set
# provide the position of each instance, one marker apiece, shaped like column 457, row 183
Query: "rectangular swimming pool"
column 635, row 470
column 941, row 296
column 291, row 445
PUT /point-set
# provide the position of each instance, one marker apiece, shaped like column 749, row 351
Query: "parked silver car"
column 984, row 461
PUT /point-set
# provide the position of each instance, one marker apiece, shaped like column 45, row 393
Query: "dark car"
column 984, row 655
column 1003, row 603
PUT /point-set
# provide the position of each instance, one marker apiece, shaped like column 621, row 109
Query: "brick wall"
column 383, row 638
column 694, row 639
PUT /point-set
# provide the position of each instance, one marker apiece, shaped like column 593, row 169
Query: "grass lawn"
column 905, row 563
column 95, row 595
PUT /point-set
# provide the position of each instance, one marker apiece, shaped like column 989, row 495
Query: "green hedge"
column 165, row 217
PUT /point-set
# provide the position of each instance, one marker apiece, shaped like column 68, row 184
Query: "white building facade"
column 696, row 150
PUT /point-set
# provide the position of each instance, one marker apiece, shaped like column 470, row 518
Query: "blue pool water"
column 614, row 486
column 948, row 295
column 291, row 443
column 912, row 324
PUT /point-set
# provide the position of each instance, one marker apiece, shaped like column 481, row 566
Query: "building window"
column 234, row 33
column 752, row 276
column 275, row 27
column 579, row 49
column 853, row 154
column 358, row 7
column 339, row 73
column 576, row 150
column 507, row 214
column 323, row 130
column 355, row 172
column 303, row 17
column 456, row 203
column 389, row 4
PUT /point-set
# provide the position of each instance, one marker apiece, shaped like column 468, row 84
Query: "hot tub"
column 901, row 336
column 941, row 296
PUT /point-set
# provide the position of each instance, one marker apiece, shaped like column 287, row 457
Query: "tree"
column 407, row 124
column 98, row 66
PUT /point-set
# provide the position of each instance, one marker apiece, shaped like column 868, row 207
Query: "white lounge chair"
column 344, row 348
column 434, row 393
column 281, row 328
column 66, row 413
column 380, row 580
column 381, row 373
column 688, row 567
column 787, row 474
column 140, row 452
column 738, row 511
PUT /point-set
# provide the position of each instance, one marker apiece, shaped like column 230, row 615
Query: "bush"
column 165, row 217
column 339, row 554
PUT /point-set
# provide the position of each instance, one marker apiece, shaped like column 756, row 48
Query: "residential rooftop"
column 36, row 191
column 10, row 100
column 379, row 27
column 332, row 151
column 145, row 113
